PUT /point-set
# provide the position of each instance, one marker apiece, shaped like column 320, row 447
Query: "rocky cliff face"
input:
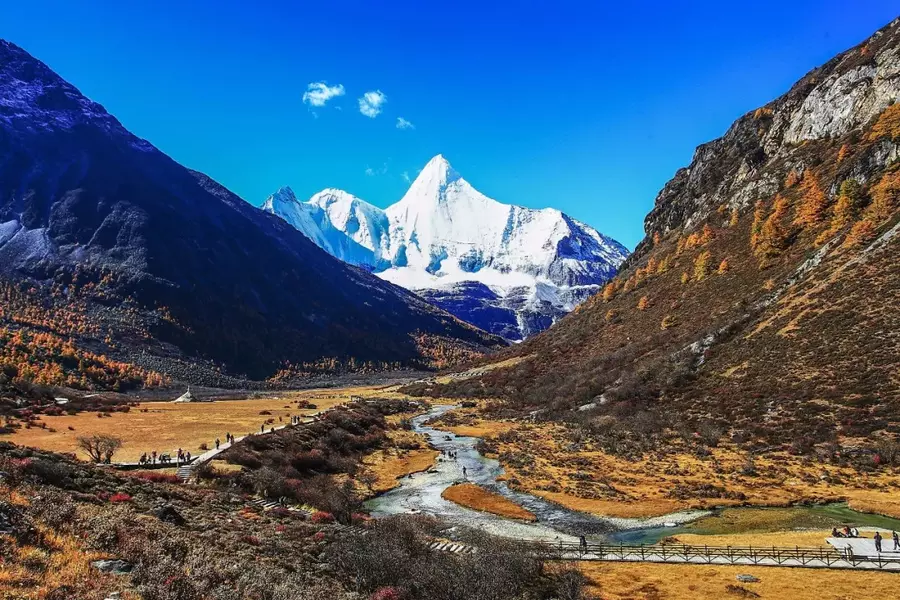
column 763, row 301
column 748, row 162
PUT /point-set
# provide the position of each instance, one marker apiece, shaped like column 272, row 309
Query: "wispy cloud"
column 404, row 124
column 372, row 103
column 379, row 171
column 405, row 176
column 319, row 92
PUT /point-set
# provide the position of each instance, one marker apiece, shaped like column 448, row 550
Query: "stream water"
column 421, row 494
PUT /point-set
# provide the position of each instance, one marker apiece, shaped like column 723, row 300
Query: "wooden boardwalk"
column 185, row 470
column 812, row 558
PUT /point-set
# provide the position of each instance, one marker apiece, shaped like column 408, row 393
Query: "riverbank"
column 553, row 462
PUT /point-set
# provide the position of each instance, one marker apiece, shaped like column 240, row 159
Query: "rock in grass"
column 115, row 566
column 168, row 514
column 747, row 579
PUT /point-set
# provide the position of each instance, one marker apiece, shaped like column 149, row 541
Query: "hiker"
column 896, row 539
column 154, row 457
column 847, row 532
column 582, row 542
column 855, row 532
column 464, row 472
column 835, row 533
column 188, row 456
column 217, row 443
column 878, row 541
column 262, row 428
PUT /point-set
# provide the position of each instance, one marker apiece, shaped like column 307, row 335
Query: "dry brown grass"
column 785, row 539
column 33, row 572
column 645, row 581
column 478, row 498
column 390, row 464
column 165, row 426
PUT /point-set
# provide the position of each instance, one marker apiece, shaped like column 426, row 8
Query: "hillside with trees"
column 762, row 304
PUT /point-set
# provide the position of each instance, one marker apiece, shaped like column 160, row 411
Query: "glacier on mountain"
column 444, row 236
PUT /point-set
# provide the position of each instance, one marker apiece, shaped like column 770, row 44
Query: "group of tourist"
column 848, row 532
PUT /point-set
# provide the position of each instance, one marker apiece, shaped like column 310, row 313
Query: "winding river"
column 421, row 494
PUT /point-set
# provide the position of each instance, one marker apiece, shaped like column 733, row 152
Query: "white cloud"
column 405, row 176
column 404, row 124
column 372, row 103
column 319, row 92
column 379, row 171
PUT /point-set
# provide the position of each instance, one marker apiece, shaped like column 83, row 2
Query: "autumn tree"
column 846, row 209
column 888, row 124
column 813, row 203
column 723, row 267
column 100, row 447
column 733, row 220
column 759, row 219
column 885, row 198
column 773, row 236
column 643, row 303
column 842, row 153
column 685, row 278
column 701, row 265
column 668, row 322
column 609, row 291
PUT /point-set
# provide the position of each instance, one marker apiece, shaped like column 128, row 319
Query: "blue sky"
column 581, row 106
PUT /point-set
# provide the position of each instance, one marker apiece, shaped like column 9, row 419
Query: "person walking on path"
column 896, row 539
column 217, row 443
column 878, row 541
column 582, row 543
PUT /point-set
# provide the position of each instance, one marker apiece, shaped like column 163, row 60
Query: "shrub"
column 386, row 593
column 321, row 517
column 119, row 497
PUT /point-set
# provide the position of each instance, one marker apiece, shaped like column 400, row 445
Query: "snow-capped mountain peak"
column 444, row 232
column 283, row 196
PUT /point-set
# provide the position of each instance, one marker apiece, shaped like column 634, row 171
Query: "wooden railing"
column 743, row 555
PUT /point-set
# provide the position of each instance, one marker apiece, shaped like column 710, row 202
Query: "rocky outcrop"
column 737, row 169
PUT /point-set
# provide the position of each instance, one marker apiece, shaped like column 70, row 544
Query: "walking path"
column 185, row 470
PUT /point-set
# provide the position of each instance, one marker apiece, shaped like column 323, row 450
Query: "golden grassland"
column 55, row 561
column 478, row 498
column 812, row 538
column 647, row 581
column 541, row 459
column 390, row 464
column 166, row 426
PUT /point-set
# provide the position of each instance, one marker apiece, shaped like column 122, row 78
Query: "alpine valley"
column 510, row 270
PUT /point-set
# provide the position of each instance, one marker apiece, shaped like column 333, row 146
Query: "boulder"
column 114, row 566
column 747, row 579
column 168, row 514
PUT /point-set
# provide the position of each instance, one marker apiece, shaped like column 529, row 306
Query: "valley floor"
column 540, row 459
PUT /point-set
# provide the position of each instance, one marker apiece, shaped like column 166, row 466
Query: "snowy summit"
column 508, row 269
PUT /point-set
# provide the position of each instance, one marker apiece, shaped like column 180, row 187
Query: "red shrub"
column 120, row 497
column 386, row 593
column 322, row 517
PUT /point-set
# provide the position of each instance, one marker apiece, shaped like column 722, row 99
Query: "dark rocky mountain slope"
column 764, row 301
column 106, row 241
